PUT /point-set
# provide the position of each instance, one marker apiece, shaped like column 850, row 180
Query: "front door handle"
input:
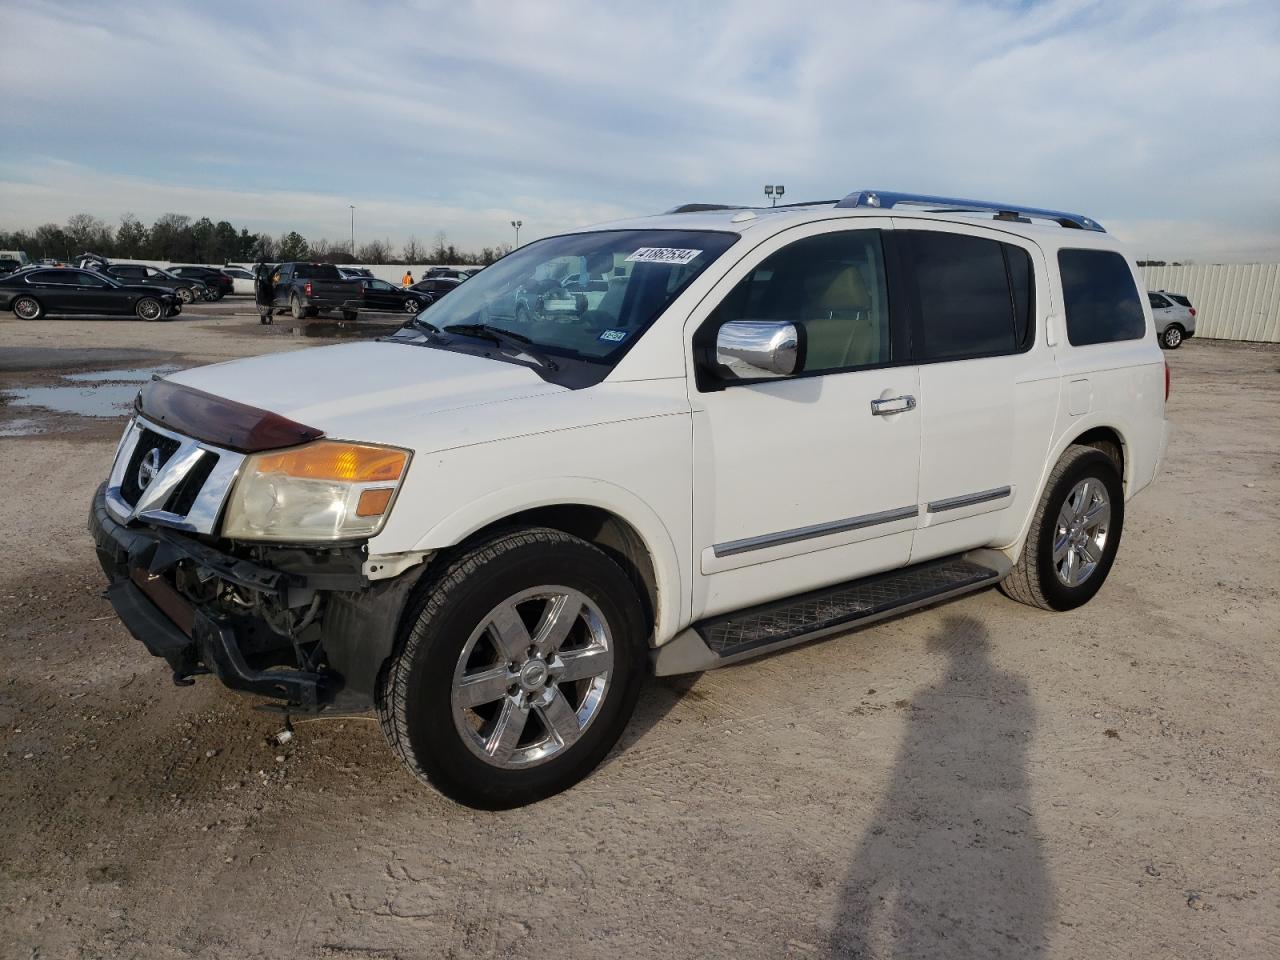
column 882, row 408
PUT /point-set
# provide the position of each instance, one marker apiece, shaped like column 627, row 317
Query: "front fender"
column 674, row 598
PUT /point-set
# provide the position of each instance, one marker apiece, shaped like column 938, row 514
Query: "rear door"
column 55, row 290
column 807, row 480
column 988, row 381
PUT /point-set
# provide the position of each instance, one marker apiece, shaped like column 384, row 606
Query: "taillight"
column 1193, row 310
column 1166, row 381
column 308, row 288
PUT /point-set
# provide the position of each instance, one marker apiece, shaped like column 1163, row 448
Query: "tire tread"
column 1023, row 582
column 425, row 602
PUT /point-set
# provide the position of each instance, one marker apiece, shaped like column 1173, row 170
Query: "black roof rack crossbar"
column 887, row 200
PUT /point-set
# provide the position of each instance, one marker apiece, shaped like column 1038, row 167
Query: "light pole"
column 353, row 231
column 774, row 193
column 517, row 224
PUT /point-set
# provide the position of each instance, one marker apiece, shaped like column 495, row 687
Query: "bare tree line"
column 178, row 238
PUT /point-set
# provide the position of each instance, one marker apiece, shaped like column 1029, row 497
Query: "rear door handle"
column 882, row 408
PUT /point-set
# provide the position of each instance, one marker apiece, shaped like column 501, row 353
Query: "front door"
column 811, row 479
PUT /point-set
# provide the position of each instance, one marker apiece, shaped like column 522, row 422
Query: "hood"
column 346, row 390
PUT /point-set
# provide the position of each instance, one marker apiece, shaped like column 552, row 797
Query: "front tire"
column 1172, row 337
column 412, row 307
column 519, row 669
column 27, row 308
column 1074, row 534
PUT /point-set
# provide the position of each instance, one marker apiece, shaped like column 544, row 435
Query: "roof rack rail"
column 887, row 200
column 703, row 207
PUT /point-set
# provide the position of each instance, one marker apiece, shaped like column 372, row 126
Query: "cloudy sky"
column 1162, row 120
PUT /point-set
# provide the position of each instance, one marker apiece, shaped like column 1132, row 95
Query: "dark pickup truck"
column 308, row 288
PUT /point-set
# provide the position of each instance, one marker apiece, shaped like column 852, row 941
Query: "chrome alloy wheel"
column 1080, row 537
column 532, row 676
column 1172, row 338
column 149, row 309
column 411, row 306
column 26, row 308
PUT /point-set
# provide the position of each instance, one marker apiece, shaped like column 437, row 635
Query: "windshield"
column 585, row 296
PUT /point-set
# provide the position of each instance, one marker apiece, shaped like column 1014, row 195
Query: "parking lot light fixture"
column 517, row 224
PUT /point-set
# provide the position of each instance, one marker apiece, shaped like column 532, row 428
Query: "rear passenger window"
column 975, row 296
column 833, row 285
column 1099, row 297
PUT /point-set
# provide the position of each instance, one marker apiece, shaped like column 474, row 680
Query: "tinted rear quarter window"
column 1099, row 297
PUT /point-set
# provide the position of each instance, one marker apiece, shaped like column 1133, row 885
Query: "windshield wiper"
column 484, row 331
column 417, row 321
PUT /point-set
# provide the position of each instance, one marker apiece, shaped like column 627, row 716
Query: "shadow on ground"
column 952, row 863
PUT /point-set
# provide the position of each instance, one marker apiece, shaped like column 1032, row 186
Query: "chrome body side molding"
column 968, row 499
column 733, row 547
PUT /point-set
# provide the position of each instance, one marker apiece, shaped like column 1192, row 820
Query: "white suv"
column 772, row 424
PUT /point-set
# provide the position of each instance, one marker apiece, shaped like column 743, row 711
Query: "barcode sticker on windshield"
column 662, row 255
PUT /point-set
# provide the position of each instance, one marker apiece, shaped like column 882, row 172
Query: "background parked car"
column 450, row 272
column 186, row 288
column 308, row 288
column 1175, row 318
column 65, row 291
column 218, row 282
column 355, row 273
column 241, row 280
column 380, row 295
column 435, row 287
column 8, row 265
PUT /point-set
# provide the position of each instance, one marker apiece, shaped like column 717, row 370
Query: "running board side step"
column 733, row 637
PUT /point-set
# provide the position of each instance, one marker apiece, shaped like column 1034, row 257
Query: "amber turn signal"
column 373, row 503
column 331, row 460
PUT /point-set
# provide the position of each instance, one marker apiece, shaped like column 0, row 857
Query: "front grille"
column 184, row 495
column 148, row 441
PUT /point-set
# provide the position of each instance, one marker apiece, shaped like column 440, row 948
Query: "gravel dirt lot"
column 978, row 780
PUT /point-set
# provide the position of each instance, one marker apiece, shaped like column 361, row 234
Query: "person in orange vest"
column 408, row 279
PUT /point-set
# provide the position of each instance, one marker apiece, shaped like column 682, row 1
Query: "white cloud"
column 460, row 116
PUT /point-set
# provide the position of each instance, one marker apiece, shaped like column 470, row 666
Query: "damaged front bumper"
column 333, row 661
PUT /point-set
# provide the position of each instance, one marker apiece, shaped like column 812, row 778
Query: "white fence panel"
column 1233, row 301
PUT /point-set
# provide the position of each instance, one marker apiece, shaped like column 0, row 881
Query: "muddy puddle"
column 94, row 393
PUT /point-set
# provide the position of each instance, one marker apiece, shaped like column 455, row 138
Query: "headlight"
column 325, row 490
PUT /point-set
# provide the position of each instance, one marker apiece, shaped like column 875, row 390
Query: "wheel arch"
column 618, row 538
column 1108, row 438
column 601, row 513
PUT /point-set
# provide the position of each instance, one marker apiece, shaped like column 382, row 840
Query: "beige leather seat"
column 838, row 318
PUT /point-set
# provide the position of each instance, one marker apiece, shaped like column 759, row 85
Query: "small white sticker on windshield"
column 662, row 255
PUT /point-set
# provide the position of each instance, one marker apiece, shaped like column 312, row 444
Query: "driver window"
column 833, row 285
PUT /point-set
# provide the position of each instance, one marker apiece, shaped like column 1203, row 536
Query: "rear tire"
column 483, row 615
column 1172, row 337
column 1044, row 575
column 27, row 308
column 186, row 294
column 149, row 309
column 295, row 307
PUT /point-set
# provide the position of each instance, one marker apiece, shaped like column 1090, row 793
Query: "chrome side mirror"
column 760, row 349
